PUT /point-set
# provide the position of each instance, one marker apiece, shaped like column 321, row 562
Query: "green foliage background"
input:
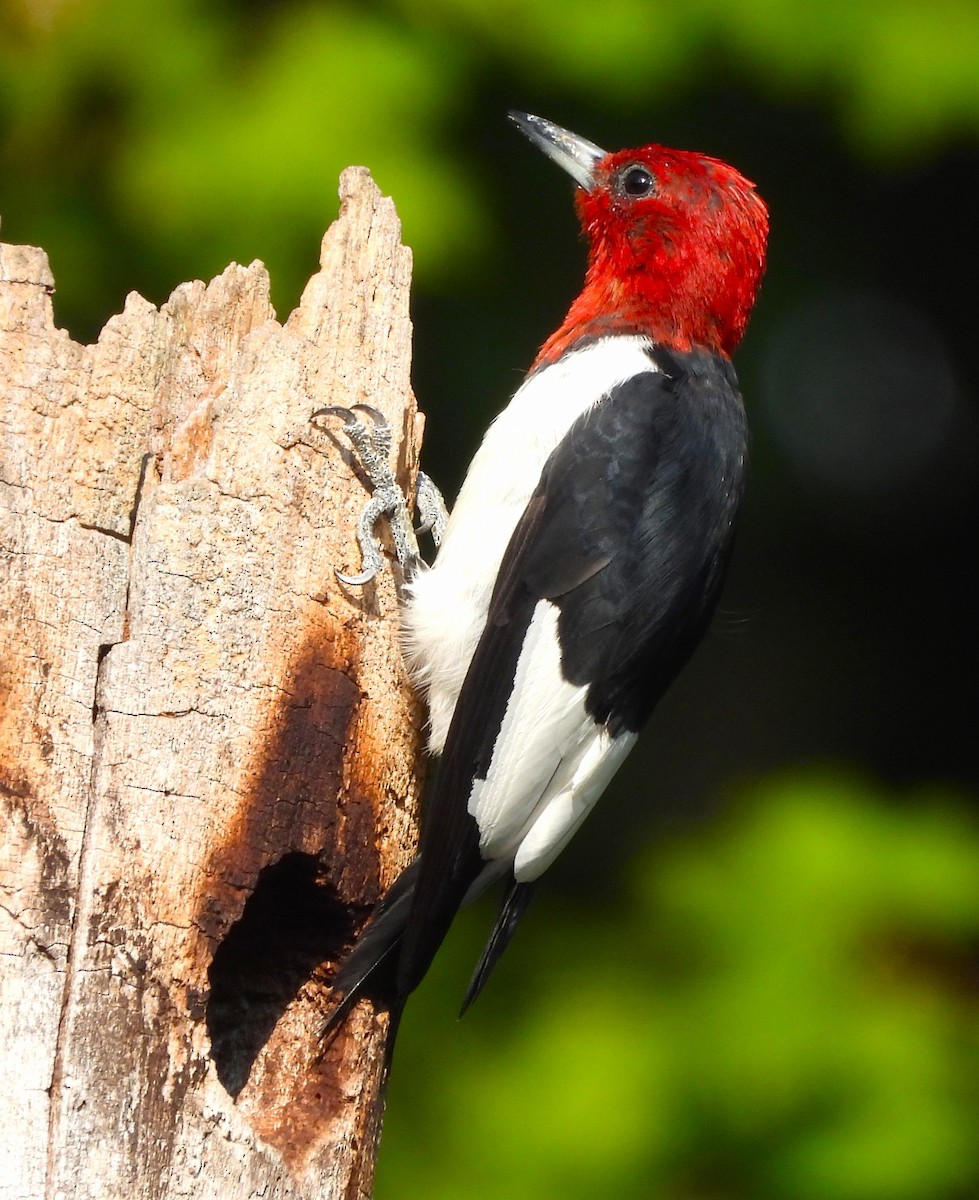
column 755, row 974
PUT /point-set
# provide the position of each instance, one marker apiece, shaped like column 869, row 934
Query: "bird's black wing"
column 628, row 535
column 650, row 482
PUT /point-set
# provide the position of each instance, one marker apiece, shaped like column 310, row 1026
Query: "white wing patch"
column 550, row 763
column 570, row 799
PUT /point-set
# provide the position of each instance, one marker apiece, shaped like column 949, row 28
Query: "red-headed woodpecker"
column 587, row 548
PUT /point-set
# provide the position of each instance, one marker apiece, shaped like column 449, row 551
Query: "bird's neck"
column 669, row 296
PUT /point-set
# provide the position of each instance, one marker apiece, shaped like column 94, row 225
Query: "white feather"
column 550, row 764
column 569, row 799
column 446, row 610
column 544, row 722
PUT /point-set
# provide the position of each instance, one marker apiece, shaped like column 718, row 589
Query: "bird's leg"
column 373, row 445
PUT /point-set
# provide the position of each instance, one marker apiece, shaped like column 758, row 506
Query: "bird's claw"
column 373, row 445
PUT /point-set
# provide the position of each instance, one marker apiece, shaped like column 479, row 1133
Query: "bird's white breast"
column 447, row 605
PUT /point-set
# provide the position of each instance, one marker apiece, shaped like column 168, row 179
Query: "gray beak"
column 575, row 154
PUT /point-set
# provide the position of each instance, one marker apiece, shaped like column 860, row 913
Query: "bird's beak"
column 575, row 154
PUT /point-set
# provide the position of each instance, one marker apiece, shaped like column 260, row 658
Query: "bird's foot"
column 373, row 444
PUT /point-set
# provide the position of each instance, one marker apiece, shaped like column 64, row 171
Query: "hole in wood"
column 292, row 923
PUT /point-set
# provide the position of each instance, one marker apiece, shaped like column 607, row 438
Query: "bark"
column 208, row 746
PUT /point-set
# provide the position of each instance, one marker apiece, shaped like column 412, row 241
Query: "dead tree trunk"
column 208, row 747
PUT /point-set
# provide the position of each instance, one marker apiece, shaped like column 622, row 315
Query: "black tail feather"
column 374, row 955
column 513, row 908
column 373, row 960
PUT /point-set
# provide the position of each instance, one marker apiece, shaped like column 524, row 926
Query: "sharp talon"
column 431, row 508
column 356, row 580
column 379, row 419
column 333, row 410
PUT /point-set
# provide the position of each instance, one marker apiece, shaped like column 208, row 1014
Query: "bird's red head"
column 676, row 243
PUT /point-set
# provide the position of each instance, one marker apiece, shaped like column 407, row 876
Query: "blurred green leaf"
column 264, row 141
column 140, row 138
column 789, row 1012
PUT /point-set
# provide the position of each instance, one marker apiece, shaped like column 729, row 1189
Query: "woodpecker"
column 586, row 550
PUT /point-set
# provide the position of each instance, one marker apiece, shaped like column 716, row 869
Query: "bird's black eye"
column 637, row 181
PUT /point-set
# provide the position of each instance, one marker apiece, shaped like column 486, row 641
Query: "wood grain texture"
column 208, row 747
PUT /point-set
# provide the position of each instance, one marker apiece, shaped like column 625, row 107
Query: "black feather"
column 642, row 497
column 372, row 959
column 513, row 908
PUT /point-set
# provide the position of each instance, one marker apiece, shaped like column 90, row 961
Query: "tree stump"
column 208, row 746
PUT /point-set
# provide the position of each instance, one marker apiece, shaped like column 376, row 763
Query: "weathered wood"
column 208, row 747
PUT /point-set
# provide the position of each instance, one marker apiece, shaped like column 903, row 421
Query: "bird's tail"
column 374, row 959
column 513, row 908
column 374, row 956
